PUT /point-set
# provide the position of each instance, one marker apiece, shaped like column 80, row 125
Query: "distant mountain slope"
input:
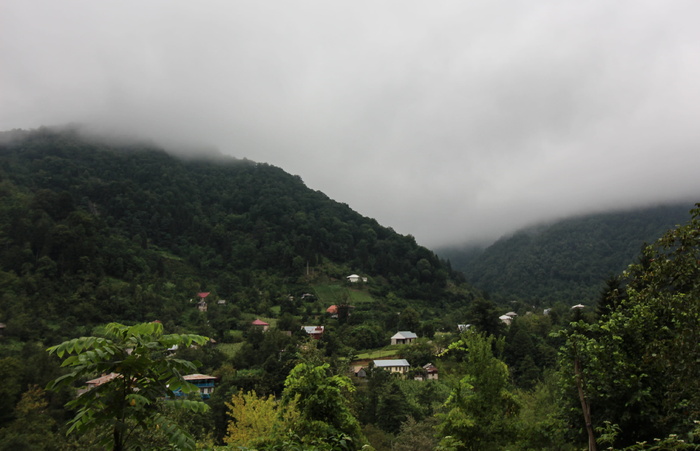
column 567, row 261
column 92, row 232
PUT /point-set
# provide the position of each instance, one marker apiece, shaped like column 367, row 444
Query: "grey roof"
column 313, row 329
column 386, row 363
column 404, row 334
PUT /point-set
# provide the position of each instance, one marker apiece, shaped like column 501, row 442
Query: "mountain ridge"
column 567, row 260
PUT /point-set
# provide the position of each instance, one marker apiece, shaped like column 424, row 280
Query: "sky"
column 452, row 121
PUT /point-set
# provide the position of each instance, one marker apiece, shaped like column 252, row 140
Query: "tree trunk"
column 584, row 405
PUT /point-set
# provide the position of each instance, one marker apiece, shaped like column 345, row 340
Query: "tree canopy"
column 140, row 377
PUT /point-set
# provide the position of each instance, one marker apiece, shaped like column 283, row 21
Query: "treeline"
column 567, row 261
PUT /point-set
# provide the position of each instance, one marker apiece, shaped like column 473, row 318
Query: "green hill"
column 92, row 232
column 567, row 261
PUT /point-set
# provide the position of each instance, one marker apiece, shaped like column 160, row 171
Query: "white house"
column 315, row 332
column 395, row 366
column 353, row 278
column 506, row 319
column 403, row 337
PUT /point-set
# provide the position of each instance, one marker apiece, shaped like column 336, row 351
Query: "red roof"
column 333, row 309
column 203, row 295
column 257, row 322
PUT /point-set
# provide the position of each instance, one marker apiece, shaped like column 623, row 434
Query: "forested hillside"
column 93, row 232
column 567, row 261
column 126, row 272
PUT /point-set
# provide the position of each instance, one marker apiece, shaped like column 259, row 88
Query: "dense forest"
column 94, row 233
column 124, row 262
column 566, row 261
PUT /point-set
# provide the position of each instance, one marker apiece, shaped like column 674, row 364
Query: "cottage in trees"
column 261, row 324
column 431, row 370
column 332, row 311
column 202, row 304
column 403, row 337
column 204, row 382
column 315, row 332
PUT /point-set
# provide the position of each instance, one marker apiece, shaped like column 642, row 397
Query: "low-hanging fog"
column 452, row 121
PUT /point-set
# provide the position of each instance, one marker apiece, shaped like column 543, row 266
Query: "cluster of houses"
column 315, row 332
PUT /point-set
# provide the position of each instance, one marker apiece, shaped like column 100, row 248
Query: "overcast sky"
column 451, row 121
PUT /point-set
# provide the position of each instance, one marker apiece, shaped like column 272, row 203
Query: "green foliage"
column 481, row 410
column 323, row 404
column 33, row 428
column 143, row 377
column 256, row 419
column 542, row 420
column 566, row 261
column 639, row 362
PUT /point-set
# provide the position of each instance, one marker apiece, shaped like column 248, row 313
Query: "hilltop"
column 96, row 231
column 569, row 260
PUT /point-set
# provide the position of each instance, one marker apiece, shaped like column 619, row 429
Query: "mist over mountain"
column 566, row 261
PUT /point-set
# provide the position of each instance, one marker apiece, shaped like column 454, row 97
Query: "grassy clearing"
column 377, row 354
column 230, row 349
column 338, row 293
column 360, row 297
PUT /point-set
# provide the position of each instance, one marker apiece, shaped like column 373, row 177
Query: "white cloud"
column 449, row 121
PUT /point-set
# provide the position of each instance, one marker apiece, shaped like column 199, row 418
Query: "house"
column 577, row 306
column 202, row 304
column 353, row 278
column 403, row 337
column 506, row 319
column 204, row 382
column 314, row 332
column 400, row 366
column 359, row 371
column 333, row 311
column 463, row 327
column 261, row 324
column 432, row 371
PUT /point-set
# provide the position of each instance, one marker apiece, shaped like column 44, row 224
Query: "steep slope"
column 92, row 232
column 567, row 261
